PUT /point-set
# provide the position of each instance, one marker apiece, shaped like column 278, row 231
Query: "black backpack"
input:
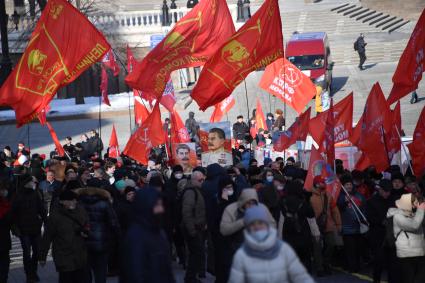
column 291, row 224
column 390, row 238
column 356, row 45
column 179, row 205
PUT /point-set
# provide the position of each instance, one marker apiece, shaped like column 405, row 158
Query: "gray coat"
column 193, row 210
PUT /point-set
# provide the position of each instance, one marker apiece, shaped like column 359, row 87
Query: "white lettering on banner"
column 283, row 95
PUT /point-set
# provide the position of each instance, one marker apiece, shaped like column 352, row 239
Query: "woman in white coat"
column 409, row 238
column 263, row 257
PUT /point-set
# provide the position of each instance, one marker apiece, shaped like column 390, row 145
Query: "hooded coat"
column 282, row 266
column 145, row 248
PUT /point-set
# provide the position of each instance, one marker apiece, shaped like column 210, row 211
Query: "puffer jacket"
column 193, row 210
column 410, row 240
column 283, row 266
column 103, row 220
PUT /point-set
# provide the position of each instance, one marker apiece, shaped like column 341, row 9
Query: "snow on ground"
column 66, row 107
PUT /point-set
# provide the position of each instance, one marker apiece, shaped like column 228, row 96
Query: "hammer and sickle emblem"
column 55, row 11
column 36, row 62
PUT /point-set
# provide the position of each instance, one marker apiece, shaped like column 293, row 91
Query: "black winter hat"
column 346, row 179
column 397, row 176
column 386, row 185
column 177, row 168
column 68, row 195
column 224, row 181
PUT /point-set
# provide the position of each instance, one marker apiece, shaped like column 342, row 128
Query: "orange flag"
column 114, row 150
column 55, row 139
column 222, row 108
column 319, row 167
column 285, row 81
column 141, row 113
column 62, row 46
column 411, row 64
column 189, row 44
column 343, row 115
column 260, row 119
column 375, row 123
column 104, row 87
column 297, row 132
column 146, row 137
column 257, row 43
column 417, row 147
column 179, row 133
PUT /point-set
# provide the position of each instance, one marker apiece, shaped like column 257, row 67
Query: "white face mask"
column 260, row 235
column 269, row 118
column 268, row 141
column 230, row 193
column 280, row 187
column 269, row 179
column 234, row 179
column 178, row 176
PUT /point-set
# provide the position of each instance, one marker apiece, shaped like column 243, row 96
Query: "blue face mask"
column 260, row 235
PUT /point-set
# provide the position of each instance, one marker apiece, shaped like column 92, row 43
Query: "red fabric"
column 191, row 42
column 319, row 167
column 257, row 43
column 114, row 150
column 62, row 46
column 131, row 61
column 343, row 114
column 141, row 113
column 104, row 87
column 179, row 133
column 55, row 139
column 4, row 207
column 168, row 100
column 297, row 132
column 411, row 64
column 147, row 136
column 328, row 143
column 110, row 62
column 356, row 132
column 260, row 119
column 285, row 81
column 417, row 147
column 42, row 115
column 392, row 138
column 363, row 163
column 222, row 108
column 371, row 141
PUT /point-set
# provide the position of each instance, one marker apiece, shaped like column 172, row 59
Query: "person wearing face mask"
column 146, row 251
column 263, row 257
column 28, row 215
column 67, row 230
column 269, row 195
column 5, row 225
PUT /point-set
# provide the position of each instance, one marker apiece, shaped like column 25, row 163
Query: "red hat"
column 318, row 180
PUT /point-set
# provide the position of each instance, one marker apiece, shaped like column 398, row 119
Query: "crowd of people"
column 103, row 216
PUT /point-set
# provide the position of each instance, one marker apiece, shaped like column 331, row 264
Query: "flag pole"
column 28, row 138
column 100, row 117
column 355, row 205
column 405, row 151
column 246, row 97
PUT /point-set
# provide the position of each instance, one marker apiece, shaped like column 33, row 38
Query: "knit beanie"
column 255, row 213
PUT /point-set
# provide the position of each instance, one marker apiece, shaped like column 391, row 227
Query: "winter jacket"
column 28, row 212
column 102, row 218
column 193, row 210
column 240, row 130
column 333, row 217
column 281, row 266
column 269, row 125
column 350, row 223
column 410, row 240
column 210, row 190
column 5, row 223
column 123, row 208
column 279, row 123
column 64, row 231
column 376, row 211
column 361, row 45
column 146, row 252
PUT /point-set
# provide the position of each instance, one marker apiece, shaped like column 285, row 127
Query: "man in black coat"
column 28, row 214
column 5, row 242
column 147, row 260
column 104, row 229
column 240, row 129
column 360, row 46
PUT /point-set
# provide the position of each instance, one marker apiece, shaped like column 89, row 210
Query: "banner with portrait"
column 184, row 154
column 215, row 141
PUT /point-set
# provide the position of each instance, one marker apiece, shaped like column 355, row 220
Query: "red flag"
column 114, row 150
column 356, row 132
column 363, row 163
column 190, row 43
column 319, row 167
column 147, row 136
column 110, row 62
column 179, row 133
column 392, row 138
column 328, row 142
column 257, row 43
column 372, row 141
column 260, row 119
column 168, row 100
column 417, row 147
column 343, row 115
column 222, row 108
column 62, row 46
column 285, row 81
column 104, row 87
column 411, row 64
column 141, row 113
column 297, row 132
column 131, row 61
column 42, row 115
column 55, row 139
